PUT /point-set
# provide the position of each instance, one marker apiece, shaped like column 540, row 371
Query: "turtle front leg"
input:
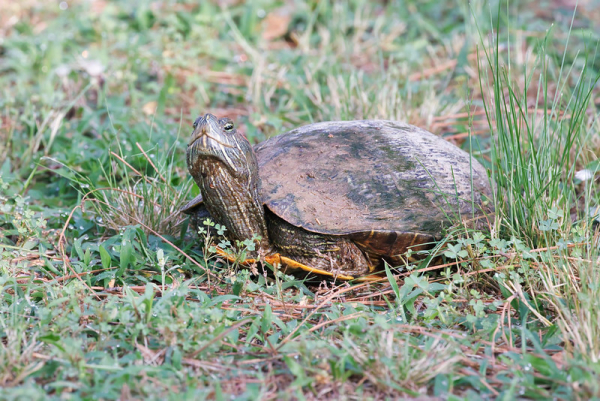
column 318, row 253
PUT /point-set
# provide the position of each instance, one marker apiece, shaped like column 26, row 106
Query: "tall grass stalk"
column 542, row 122
column 536, row 140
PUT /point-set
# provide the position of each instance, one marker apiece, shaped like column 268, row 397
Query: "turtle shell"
column 372, row 180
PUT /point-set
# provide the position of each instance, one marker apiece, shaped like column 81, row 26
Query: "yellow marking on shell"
column 231, row 258
column 413, row 240
column 297, row 265
column 282, row 260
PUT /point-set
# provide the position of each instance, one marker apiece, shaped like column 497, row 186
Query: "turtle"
column 337, row 198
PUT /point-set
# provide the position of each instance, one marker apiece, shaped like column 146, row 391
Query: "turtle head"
column 225, row 168
column 215, row 140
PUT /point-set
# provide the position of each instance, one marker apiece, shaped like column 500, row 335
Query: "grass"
column 104, row 296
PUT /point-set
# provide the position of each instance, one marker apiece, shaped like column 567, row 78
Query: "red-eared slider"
column 335, row 198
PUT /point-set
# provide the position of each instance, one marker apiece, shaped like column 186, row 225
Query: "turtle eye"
column 228, row 126
column 195, row 124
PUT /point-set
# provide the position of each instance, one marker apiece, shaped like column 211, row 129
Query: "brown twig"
column 219, row 336
column 62, row 239
column 321, row 305
column 150, row 161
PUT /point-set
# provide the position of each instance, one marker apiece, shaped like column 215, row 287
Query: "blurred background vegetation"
column 80, row 78
column 97, row 99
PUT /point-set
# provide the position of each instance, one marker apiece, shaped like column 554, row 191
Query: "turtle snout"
column 206, row 126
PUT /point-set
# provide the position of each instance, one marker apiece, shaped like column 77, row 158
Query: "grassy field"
column 103, row 295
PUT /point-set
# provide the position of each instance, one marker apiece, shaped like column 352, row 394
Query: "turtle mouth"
column 202, row 140
column 206, row 147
